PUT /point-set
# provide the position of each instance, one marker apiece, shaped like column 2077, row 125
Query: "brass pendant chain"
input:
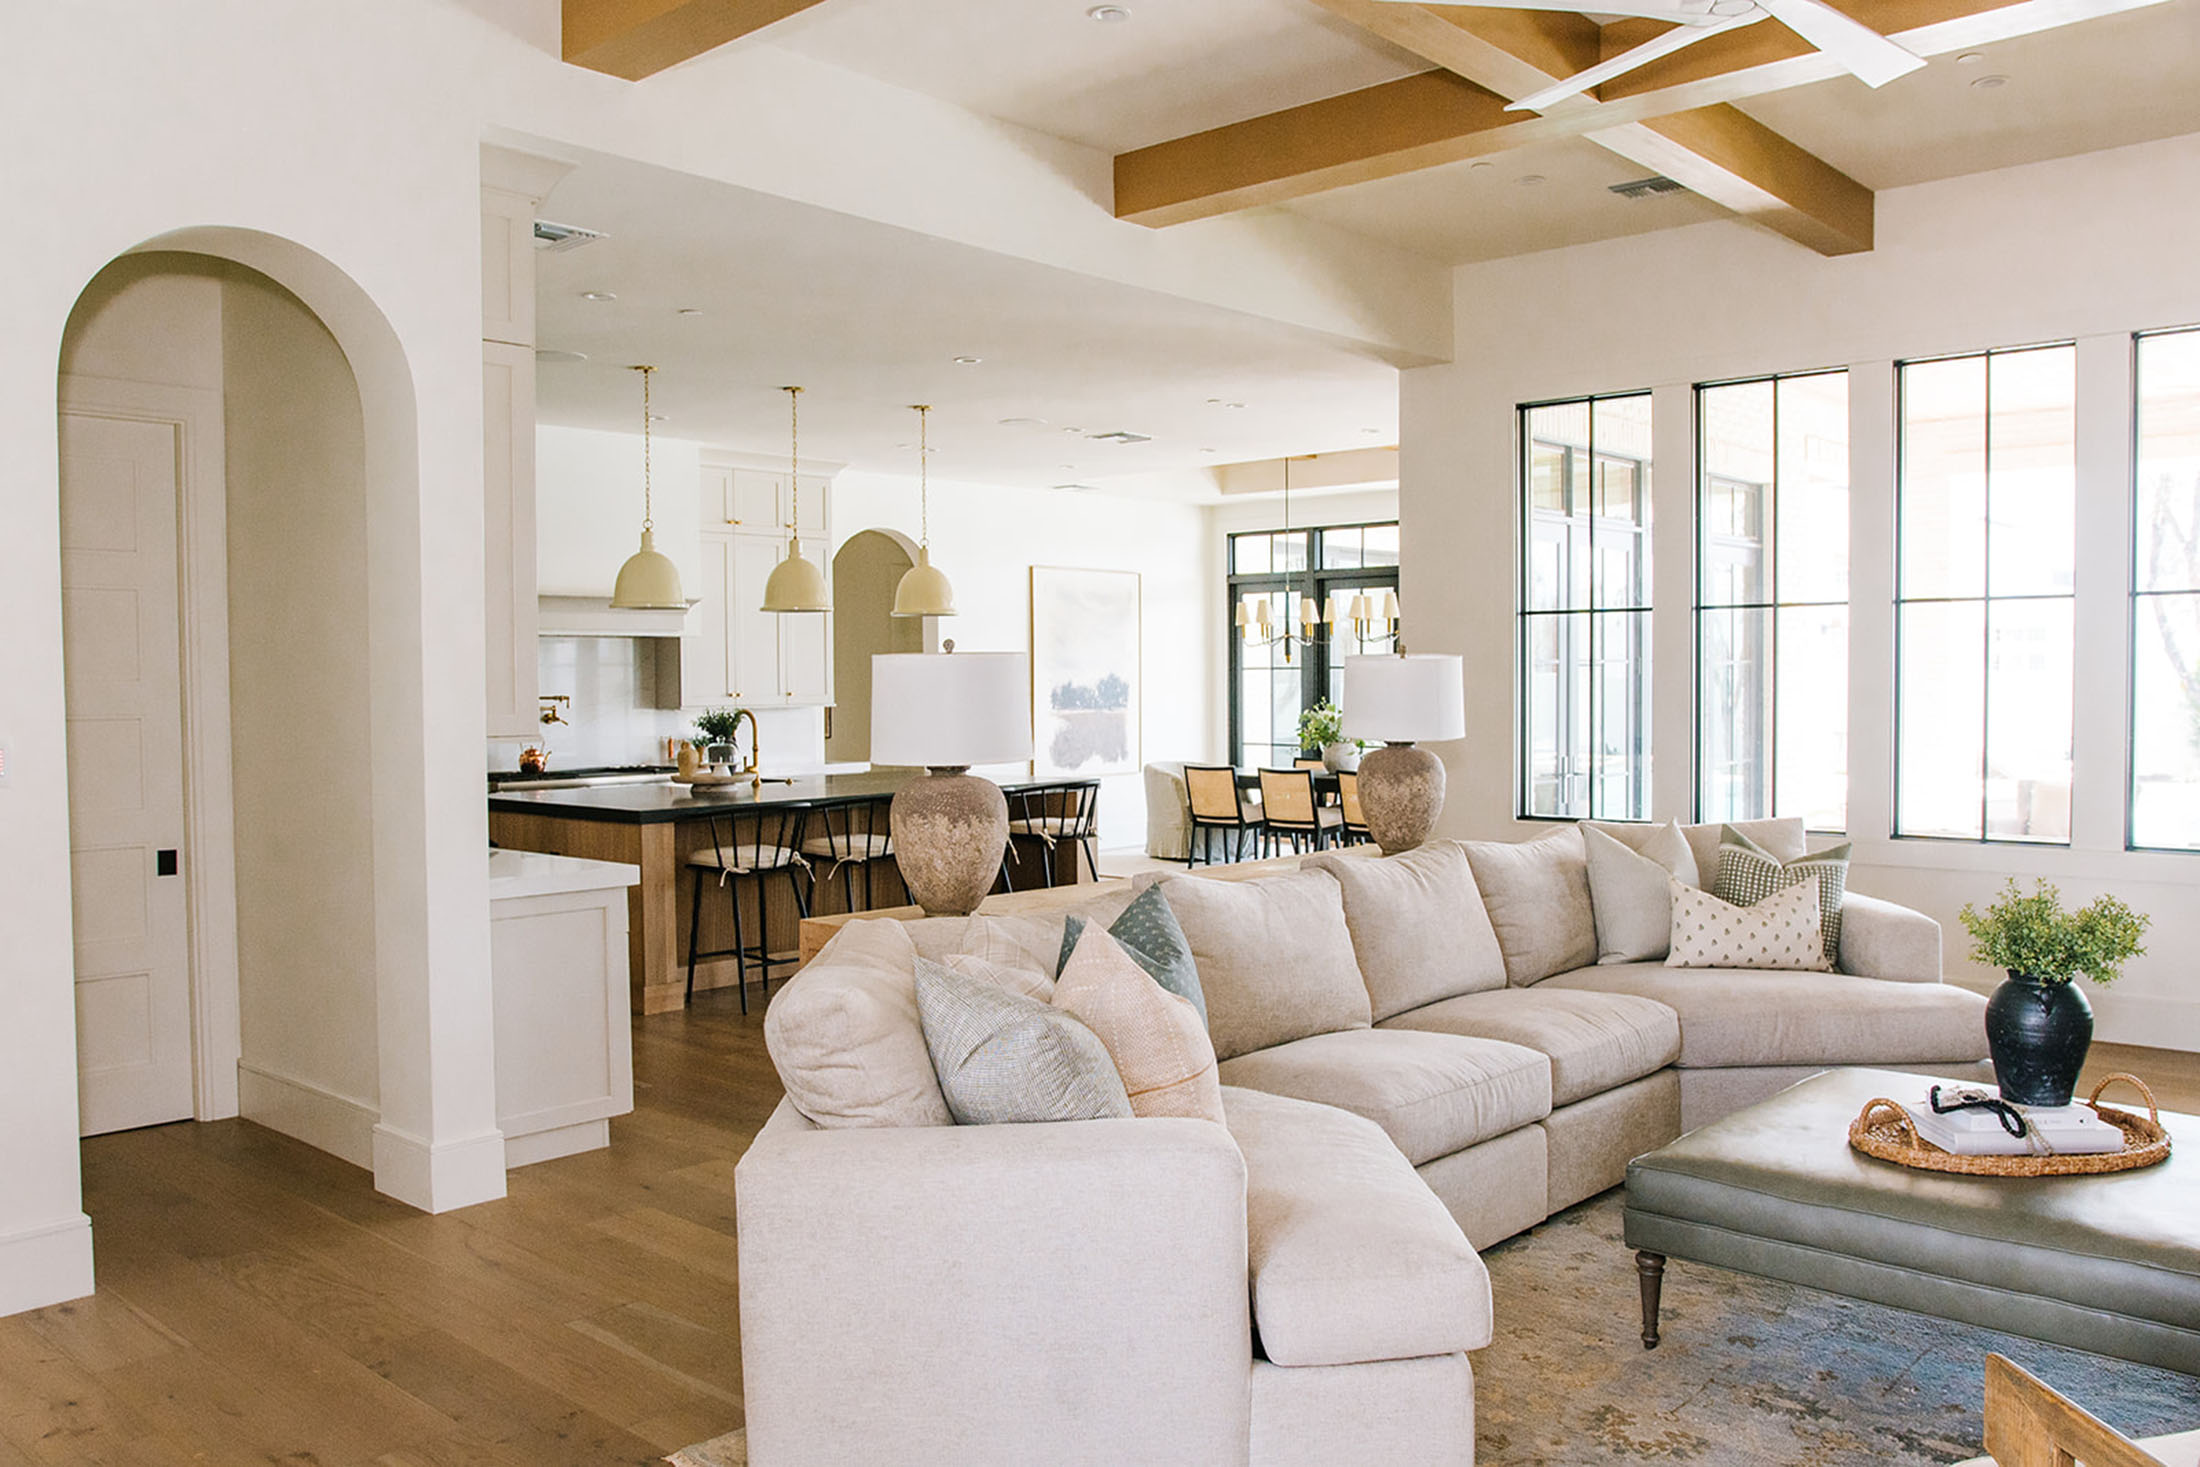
column 794, row 460
column 924, row 483
column 647, row 522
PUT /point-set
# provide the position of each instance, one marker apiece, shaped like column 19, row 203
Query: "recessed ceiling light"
column 1988, row 83
column 598, row 295
column 1023, row 422
column 967, row 361
column 1371, row 430
column 657, row 417
column 1482, row 163
column 554, row 354
column 1073, row 430
column 1210, row 450
column 689, row 311
column 1531, row 180
column 1108, row 14
column 1970, row 58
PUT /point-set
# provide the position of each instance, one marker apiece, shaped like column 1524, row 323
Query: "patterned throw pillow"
column 1003, row 1058
column 1748, row 873
column 1782, row 931
column 1158, row 1041
column 1150, row 933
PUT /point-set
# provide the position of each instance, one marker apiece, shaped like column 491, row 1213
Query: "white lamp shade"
column 1416, row 699
column 943, row 709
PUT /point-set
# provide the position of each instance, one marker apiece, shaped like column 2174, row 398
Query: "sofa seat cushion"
column 1432, row 1094
column 1746, row 1016
column 1352, row 1258
column 1595, row 1041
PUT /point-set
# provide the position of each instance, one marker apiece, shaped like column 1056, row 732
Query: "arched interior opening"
column 867, row 568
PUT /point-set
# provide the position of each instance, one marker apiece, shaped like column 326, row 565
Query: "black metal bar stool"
column 1059, row 814
column 753, row 844
column 849, row 837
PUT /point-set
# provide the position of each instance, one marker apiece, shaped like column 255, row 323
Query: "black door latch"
column 164, row 863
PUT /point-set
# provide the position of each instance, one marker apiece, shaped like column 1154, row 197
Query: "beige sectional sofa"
column 1298, row 1286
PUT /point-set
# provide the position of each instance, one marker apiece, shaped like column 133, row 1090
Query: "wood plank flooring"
column 259, row 1303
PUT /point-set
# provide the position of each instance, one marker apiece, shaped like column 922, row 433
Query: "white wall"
column 2088, row 248
column 986, row 539
column 588, row 506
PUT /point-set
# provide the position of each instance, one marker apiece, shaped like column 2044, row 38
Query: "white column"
column 1673, row 595
column 1872, row 439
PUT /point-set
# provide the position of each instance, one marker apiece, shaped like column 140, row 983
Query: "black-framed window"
column 1985, row 604
column 1273, row 680
column 1772, row 607
column 1585, row 608
column 2164, row 809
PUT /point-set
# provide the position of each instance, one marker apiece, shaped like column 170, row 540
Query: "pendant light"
column 923, row 591
column 649, row 581
column 795, row 584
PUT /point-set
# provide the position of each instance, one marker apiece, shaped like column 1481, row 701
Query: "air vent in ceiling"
column 1120, row 436
column 1643, row 188
column 558, row 238
column 1075, row 488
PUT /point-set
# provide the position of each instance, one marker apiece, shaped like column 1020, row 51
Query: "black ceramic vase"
column 2038, row 1034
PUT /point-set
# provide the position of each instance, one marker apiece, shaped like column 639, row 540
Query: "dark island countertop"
column 653, row 804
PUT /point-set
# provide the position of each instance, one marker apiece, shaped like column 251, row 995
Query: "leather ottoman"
column 2107, row 1263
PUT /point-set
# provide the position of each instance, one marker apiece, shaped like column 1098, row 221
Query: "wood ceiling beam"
column 638, row 38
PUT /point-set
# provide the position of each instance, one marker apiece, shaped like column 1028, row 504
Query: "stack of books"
column 2060, row 1130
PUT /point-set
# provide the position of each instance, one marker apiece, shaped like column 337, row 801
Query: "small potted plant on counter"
column 1321, row 731
column 719, row 726
column 2039, row 1023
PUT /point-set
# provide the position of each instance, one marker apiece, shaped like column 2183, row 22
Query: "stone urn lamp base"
column 950, row 828
column 1401, row 794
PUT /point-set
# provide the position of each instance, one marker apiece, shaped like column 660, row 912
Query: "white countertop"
column 529, row 874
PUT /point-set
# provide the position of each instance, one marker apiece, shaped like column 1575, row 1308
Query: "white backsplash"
column 618, row 686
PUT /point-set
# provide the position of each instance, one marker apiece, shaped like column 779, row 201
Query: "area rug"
column 1751, row 1373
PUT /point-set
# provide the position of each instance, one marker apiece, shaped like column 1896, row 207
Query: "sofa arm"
column 1071, row 1293
column 1882, row 940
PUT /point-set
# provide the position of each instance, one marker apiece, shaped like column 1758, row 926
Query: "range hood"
column 594, row 616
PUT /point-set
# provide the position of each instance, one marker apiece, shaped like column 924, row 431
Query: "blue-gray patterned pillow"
column 1005, row 1058
column 1149, row 932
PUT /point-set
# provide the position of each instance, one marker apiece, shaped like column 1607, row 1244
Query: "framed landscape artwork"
column 1084, row 671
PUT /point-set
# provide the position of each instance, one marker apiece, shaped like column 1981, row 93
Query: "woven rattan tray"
column 1882, row 1130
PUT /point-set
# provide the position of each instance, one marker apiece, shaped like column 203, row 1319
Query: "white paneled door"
column 125, row 726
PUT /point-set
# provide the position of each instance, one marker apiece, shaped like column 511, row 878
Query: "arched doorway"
column 867, row 568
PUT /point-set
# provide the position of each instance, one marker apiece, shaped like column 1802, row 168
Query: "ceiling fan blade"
column 1873, row 58
column 1649, row 51
column 1673, row 10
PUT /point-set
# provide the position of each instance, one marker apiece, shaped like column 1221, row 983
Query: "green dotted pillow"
column 1149, row 932
column 1748, row 873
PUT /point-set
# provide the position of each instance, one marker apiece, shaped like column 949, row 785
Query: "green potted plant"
column 2039, row 1023
column 1321, row 731
column 718, row 726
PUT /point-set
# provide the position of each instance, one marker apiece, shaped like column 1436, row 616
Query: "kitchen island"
column 656, row 826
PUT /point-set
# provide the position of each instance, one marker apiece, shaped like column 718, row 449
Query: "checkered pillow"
column 1778, row 932
column 1748, row 874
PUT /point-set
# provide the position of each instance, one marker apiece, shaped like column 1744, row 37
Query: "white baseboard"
column 555, row 1142
column 334, row 1123
column 2157, row 1023
column 46, row 1265
column 441, row 1176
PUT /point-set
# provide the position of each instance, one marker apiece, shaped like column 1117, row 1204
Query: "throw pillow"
column 1150, row 933
column 844, row 1036
column 1419, row 931
column 1156, row 1038
column 1011, row 976
column 1781, row 931
column 1665, row 844
column 1275, row 958
column 1783, row 838
column 1627, row 895
column 1004, row 1058
column 1537, row 895
column 1748, row 873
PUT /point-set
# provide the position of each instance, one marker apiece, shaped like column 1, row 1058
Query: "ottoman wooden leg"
column 1650, row 1272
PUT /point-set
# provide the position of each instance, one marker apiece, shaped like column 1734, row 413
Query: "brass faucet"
column 756, row 750
column 550, row 702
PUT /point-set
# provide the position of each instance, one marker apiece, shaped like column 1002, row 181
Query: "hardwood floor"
column 258, row 1302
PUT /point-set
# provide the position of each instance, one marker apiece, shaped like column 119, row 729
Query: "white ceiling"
column 867, row 318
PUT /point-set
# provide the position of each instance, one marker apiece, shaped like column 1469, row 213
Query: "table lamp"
column 947, row 711
column 1403, row 700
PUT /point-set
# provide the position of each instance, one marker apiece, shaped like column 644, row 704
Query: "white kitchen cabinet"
column 734, row 651
column 758, row 501
column 706, row 668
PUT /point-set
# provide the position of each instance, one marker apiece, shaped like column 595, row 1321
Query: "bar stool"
column 1055, row 814
column 850, row 836
column 1353, row 828
column 759, row 844
column 1288, row 809
column 1211, row 792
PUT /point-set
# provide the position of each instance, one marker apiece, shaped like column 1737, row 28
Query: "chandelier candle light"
column 795, row 584
column 1259, row 627
column 649, row 581
column 946, row 711
column 923, row 591
column 1403, row 701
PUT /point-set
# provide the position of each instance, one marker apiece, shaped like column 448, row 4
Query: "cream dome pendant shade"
column 649, row 581
column 923, row 590
column 795, row 584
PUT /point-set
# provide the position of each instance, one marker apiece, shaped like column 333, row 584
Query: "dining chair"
column 1352, row 828
column 1211, row 790
column 1289, row 811
column 1059, row 814
column 748, row 845
column 848, row 837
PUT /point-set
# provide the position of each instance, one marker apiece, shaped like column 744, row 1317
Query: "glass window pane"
column 1545, row 697
column 2169, row 462
column 1810, row 744
column 1620, row 716
column 1290, row 551
column 1940, row 745
column 2028, row 720
column 1943, row 494
column 1736, row 686
column 2032, row 467
column 1249, row 554
column 1341, row 549
column 1812, row 498
column 1380, row 544
column 2165, row 723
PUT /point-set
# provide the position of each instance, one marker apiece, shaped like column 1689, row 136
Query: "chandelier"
column 1299, row 618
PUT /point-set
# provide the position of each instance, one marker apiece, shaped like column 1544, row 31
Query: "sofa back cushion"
column 1537, row 896
column 1274, row 955
column 843, row 1034
column 1781, row 839
column 1627, row 889
column 1031, row 941
column 1419, row 931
